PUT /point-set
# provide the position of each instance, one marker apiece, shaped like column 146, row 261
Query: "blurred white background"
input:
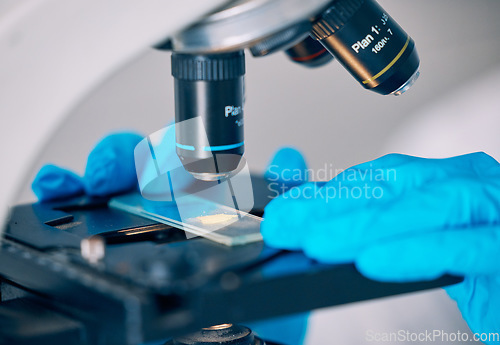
column 452, row 109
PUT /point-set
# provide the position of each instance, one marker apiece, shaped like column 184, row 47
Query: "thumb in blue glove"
column 402, row 218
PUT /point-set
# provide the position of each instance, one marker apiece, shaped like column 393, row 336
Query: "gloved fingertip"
column 53, row 182
column 103, row 176
column 287, row 166
column 110, row 166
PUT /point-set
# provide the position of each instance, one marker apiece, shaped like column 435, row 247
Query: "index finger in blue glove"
column 337, row 229
column 450, row 204
column 53, row 182
column 110, row 165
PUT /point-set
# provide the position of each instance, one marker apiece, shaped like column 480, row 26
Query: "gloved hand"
column 111, row 170
column 402, row 218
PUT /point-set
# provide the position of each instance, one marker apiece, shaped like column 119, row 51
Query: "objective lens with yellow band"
column 369, row 44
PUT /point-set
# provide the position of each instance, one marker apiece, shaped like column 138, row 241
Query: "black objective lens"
column 209, row 91
column 370, row 44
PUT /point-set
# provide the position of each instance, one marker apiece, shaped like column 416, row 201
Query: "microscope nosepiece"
column 209, row 97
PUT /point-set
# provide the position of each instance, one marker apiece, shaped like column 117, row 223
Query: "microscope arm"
column 54, row 52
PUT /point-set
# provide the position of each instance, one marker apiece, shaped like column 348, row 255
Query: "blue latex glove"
column 402, row 218
column 111, row 170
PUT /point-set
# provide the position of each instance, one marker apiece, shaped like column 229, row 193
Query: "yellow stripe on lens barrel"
column 376, row 76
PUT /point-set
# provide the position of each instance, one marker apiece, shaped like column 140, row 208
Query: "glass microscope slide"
column 196, row 216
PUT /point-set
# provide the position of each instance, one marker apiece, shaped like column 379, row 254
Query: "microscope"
column 148, row 281
column 208, row 65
